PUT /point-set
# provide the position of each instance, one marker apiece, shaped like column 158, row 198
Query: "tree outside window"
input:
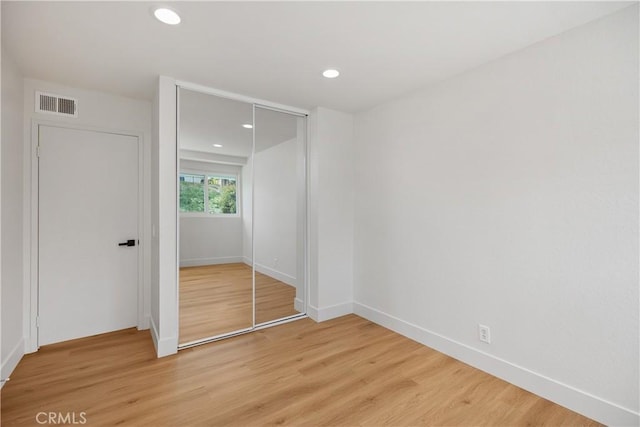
column 222, row 195
column 217, row 197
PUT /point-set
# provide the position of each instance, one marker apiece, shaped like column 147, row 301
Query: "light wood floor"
column 344, row 372
column 217, row 299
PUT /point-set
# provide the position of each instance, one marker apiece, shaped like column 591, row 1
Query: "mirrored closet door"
column 242, row 200
column 216, row 283
column 278, row 214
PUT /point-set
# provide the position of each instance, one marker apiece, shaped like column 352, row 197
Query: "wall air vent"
column 55, row 104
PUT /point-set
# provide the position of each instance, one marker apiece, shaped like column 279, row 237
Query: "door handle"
column 128, row 243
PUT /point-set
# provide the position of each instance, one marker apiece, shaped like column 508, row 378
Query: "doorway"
column 88, row 232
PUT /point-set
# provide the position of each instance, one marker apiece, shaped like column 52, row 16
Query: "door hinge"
column 37, row 321
column 38, row 151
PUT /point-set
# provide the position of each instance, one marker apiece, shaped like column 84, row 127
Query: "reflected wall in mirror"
column 216, row 284
column 279, row 202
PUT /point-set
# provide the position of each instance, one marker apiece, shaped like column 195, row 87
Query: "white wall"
column 508, row 196
column 207, row 240
column 331, row 213
column 96, row 110
column 12, row 345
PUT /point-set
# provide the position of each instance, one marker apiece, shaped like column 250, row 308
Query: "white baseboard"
column 278, row 275
column 298, row 305
column 143, row 325
column 197, row 262
column 165, row 346
column 312, row 312
column 12, row 361
column 570, row 397
column 327, row 313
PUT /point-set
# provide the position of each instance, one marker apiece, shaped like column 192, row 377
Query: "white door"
column 88, row 205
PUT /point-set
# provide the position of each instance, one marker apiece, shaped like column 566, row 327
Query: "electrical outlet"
column 484, row 334
column 275, row 262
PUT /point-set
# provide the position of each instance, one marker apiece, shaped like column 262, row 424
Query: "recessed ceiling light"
column 167, row 16
column 331, row 73
column 217, row 145
column 247, row 126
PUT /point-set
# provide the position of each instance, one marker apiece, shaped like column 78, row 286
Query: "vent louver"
column 56, row 104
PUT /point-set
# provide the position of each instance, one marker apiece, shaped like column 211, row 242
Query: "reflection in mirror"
column 216, row 285
column 278, row 214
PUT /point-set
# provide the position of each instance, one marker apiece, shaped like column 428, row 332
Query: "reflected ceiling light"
column 217, row 145
column 247, row 126
column 331, row 73
column 167, row 16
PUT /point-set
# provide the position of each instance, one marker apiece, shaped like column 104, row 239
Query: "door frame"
column 32, row 294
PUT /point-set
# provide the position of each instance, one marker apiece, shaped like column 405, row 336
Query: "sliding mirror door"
column 215, row 281
column 242, row 216
column 279, row 203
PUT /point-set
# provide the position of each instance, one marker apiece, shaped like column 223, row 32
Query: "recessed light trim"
column 331, row 73
column 247, row 126
column 217, row 145
column 167, row 16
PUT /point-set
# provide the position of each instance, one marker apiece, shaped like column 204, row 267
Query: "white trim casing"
column 177, row 171
column 307, row 218
column 253, row 223
column 31, row 240
column 563, row 394
column 143, row 318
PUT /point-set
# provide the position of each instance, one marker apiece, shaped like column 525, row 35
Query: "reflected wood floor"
column 216, row 299
column 343, row 372
column 274, row 299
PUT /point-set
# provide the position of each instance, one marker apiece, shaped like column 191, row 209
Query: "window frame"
column 207, row 175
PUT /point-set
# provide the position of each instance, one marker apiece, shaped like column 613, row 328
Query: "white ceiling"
column 206, row 120
column 277, row 51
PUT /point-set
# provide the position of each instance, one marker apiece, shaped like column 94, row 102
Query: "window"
column 222, row 194
column 191, row 193
column 210, row 194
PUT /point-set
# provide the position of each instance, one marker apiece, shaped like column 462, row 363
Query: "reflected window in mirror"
column 209, row 194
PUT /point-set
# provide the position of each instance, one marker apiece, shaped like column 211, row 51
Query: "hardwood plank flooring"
column 216, row 299
column 343, row 372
